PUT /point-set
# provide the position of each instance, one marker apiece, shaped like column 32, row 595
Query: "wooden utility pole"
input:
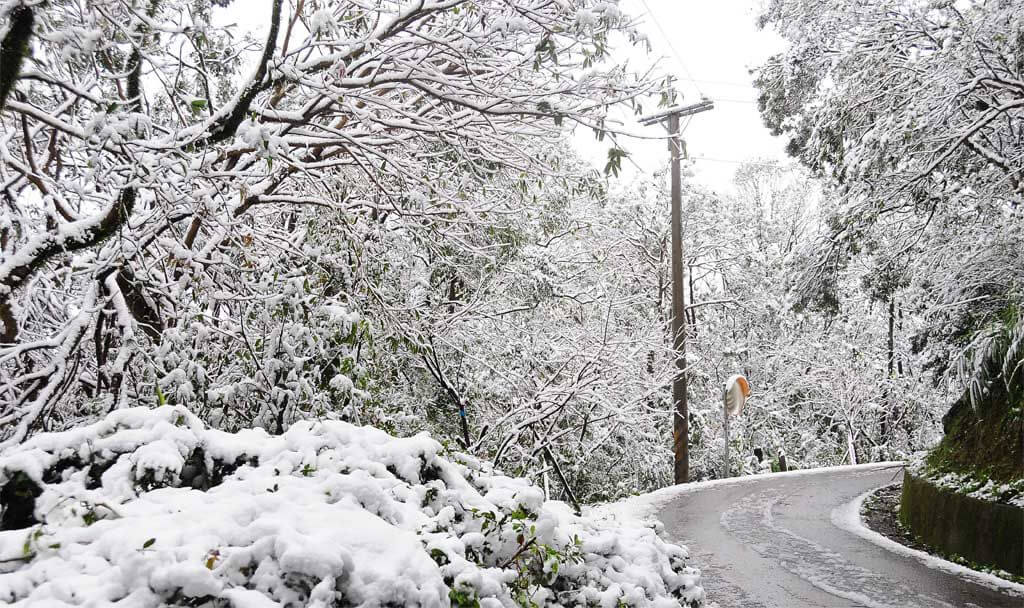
column 680, row 419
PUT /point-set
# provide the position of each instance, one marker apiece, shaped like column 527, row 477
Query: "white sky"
column 710, row 46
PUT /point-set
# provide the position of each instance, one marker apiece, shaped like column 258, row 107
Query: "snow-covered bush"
column 149, row 507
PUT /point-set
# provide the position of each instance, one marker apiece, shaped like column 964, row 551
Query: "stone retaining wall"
column 984, row 532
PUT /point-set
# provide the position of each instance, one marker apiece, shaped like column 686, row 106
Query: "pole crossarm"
column 678, row 111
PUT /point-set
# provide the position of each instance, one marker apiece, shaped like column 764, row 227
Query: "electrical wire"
column 727, row 100
column 735, row 162
column 668, row 41
column 689, row 76
column 696, row 84
column 726, row 83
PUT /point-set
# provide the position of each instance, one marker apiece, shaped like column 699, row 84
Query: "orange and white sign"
column 737, row 390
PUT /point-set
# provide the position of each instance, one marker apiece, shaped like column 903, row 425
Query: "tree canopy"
column 915, row 113
column 172, row 188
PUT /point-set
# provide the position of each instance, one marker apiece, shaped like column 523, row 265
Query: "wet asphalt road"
column 771, row 543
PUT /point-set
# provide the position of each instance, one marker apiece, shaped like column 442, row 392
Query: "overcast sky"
column 710, row 47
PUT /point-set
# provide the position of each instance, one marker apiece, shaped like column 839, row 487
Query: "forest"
column 373, row 213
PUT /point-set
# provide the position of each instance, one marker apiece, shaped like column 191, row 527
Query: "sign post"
column 734, row 397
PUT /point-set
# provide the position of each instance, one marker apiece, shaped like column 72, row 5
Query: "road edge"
column 646, row 506
column 847, row 517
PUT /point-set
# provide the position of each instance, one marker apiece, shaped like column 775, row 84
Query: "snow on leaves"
column 152, row 508
column 186, row 166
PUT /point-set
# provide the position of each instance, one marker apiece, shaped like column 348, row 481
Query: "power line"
column 735, row 162
column 671, row 47
column 727, row 100
column 727, row 83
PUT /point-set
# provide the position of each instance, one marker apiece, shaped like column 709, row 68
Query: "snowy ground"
column 151, row 508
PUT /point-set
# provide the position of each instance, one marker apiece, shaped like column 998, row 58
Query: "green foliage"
column 536, row 563
column 982, row 443
column 463, row 599
column 614, row 164
column 545, row 51
column 33, row 536
column 994, row 361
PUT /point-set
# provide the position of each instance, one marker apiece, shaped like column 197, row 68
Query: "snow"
column 847, row 517
column 969, row 484
column 322, row 21
column 340, row 315
column 149, row 507
column 587, row 18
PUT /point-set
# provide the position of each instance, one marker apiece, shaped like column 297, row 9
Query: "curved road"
column 771, row 543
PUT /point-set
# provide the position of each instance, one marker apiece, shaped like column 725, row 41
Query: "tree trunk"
column 850, row 448
column 887, row 397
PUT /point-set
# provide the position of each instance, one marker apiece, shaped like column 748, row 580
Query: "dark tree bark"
column 13, row 49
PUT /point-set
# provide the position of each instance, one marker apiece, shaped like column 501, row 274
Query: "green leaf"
column 148, row 543
column 614, row 164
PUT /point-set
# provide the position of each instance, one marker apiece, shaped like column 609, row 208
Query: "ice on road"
column 771, row 542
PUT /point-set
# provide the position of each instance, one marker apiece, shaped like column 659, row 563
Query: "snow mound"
column 148, row 507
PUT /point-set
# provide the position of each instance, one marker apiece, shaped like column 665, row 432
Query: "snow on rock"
column 148, row 507
column 969, row 483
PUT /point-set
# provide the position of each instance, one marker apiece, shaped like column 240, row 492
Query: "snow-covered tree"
column 542, row 338
column 184, row 205
column 823, row 391
column 914, row 111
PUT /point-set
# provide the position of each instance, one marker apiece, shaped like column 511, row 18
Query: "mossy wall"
column 984, row 532
column 986, row 441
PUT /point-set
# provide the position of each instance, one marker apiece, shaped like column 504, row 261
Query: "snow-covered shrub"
column 149, row 507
